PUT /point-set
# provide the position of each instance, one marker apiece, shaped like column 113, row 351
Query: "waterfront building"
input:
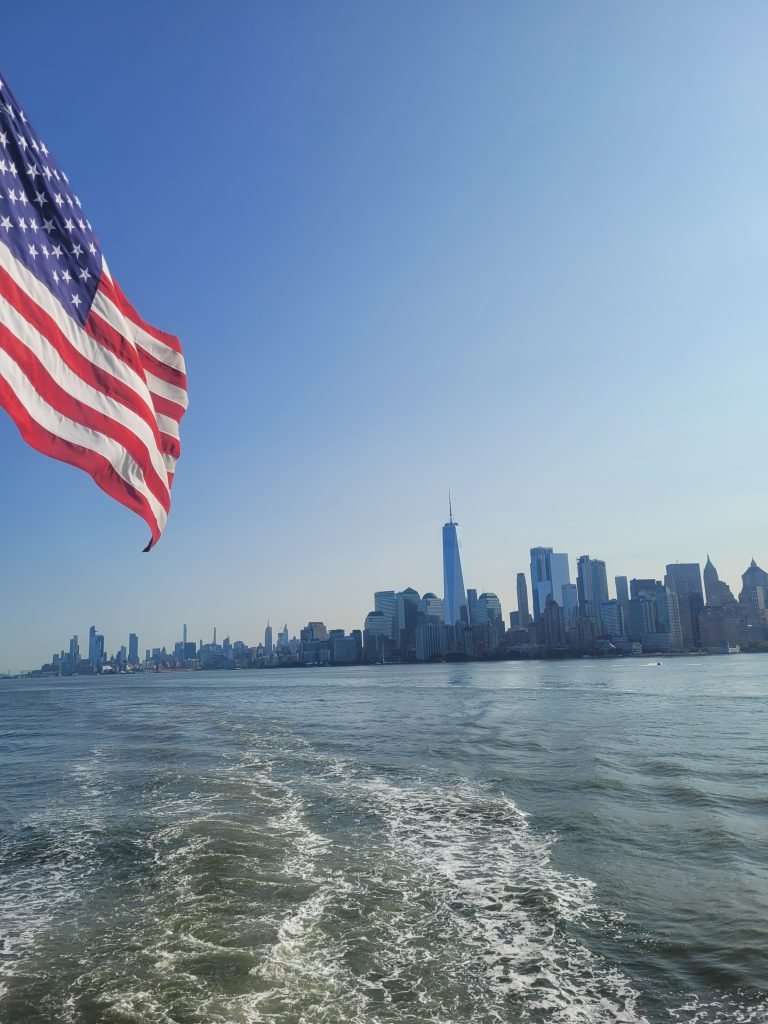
column 344, row 650
column 431, row 609
column 611, row 618
column 724, row 625
column 639, row 587
column 377, row 624
column 522, row 600
column 668, row 623
column 455, row 599
column 592, row 584
column 472, row 609
column 570, row 605
column 553, row 627
column 549, row 574
column 431, row 641
column 407, row 610
column 541, row 583
column 622, row 589
column 684, row 579
column 92, row 645
column 314, row 631
column 385, row 601
column 584, row 633
column 754, row 593
column 489, row 610
column 717, row 592
column 133, row 649
column 642, row 617
column 560, row 575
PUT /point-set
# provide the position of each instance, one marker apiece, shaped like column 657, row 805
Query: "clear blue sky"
column 514, row 249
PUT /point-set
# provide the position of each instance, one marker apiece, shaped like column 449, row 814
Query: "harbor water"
column 580, row 841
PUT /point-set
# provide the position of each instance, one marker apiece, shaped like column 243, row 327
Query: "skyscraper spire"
column 455, row 606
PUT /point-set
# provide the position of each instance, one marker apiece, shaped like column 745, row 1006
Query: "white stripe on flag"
column 106, row 309
column 76, row 433
column 77, row 388
column 89, row 348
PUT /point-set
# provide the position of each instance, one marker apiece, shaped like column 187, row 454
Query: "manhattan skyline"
column 589, row 613
column 546, row 224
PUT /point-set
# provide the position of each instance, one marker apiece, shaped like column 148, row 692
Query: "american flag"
column 84, row 378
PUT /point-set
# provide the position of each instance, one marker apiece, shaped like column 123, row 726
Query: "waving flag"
column 84, row 378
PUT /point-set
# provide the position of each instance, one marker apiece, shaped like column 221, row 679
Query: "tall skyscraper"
column 522, row 600
column 668, row 619
column 553, row 625
column 541, row 585
column 489, row 607
column 622, row 589
column 549, row 574
column 570, row 604
column 684, row 580
column 592, row 584
column 92, row 655
column 133, row 649
column 611, row 618
column 268, row 639
column 455, row 600
column 754, row 594
column 384, row 601
column 407, row 606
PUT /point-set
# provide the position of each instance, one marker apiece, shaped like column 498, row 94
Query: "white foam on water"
column 49, row 858
column 481, row 864
column 332, row 895
column 725, row 1010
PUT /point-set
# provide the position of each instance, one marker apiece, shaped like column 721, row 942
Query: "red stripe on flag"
column 75, row 410
column 94, row 375
column 167, row 408
column 96, row 466
column 163, row 370
column 113, row 342
column 170, row 445
column 114, row 292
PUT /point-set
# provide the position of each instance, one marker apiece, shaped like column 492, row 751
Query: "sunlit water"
column 579, row 841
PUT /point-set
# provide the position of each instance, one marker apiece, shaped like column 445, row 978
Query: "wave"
column 277, row 883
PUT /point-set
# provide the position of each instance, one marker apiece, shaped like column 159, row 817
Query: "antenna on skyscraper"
column 450, row 509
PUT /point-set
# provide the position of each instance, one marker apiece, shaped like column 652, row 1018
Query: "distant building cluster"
column 687, row 611
column 681, row 613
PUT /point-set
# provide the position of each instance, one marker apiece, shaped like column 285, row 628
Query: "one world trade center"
column 455, row 603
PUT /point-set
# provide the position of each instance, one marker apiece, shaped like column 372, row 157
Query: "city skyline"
column 587, row 599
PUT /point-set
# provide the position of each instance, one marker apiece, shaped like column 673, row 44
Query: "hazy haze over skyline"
column 514, row 250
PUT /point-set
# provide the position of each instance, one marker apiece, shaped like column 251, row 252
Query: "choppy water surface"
column 583, row 841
